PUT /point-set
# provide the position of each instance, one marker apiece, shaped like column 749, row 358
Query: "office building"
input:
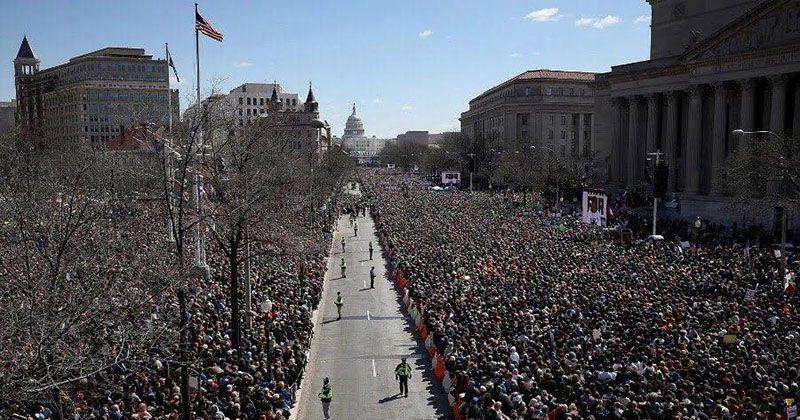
column 94, row 96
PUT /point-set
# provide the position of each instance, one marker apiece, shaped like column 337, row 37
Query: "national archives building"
column 715, row 66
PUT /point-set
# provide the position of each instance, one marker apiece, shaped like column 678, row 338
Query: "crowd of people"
column 257, row 382
column 539, row 315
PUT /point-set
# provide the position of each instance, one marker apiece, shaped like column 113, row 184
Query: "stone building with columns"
column 548, row 108
column 715, row 66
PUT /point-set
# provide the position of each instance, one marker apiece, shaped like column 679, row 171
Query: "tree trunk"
column 235, row 320
column 185, row 409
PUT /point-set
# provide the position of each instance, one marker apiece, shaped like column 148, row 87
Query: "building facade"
column 716, row 66
column 301, row 129
column 8, row 112
column 362, row 148
column 94, row 96
column 549, row 108
column 416, row 137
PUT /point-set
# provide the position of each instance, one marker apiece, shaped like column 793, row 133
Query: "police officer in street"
column 372, row 277
column 370, row 250
column 325, row 397
column 344, row 268
column 403, row 373
column 343, row 244
column 355, row 229
column 339, row 303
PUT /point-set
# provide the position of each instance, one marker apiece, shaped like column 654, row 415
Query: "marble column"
column 633, row 140
column 590, row 141
column 719, row 134
column 778, row 107
column 617, row 146
column 581, row 137
column 796, row 121
column 671, row 136
column 694, row 138
column 748, row 104
column 652, row 123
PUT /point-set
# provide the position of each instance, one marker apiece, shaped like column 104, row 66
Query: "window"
column 241, row 122
column 572, row 91
column 583, row 92
column 527, row 91
column 552, row 120
column 248, row 111
column 563, row 135
column 241, row 101
column 550, row 135
column 549, row 91
column 563, row 120
column 262, row 101
column 241, row 112
column 561, row 91
column 248, row 102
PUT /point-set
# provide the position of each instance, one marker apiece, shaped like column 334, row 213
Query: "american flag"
column 201, row 25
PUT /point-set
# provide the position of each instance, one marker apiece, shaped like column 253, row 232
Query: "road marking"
column 368, row 318
column 365, row 283
column 374, row 372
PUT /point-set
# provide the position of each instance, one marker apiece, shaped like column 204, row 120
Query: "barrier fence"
column 438, row 368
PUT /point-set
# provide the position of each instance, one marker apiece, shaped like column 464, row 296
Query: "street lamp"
column 471, row 169
column 784, row 218
column 266, row 307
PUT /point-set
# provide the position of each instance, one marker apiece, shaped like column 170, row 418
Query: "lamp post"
column 266, row 307
column 657, row 155
column 550, row 166
column 471, row 169
column 784, row 218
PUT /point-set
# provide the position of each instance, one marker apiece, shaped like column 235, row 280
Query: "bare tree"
column 69, row 263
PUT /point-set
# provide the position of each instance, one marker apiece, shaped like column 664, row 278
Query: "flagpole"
column 197, row 55
column 169, row 88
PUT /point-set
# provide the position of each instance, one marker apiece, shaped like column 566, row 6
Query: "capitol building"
column 364, row 149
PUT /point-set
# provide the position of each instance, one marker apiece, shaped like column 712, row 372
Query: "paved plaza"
column 359, row 352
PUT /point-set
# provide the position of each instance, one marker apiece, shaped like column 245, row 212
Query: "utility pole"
column 657, row 155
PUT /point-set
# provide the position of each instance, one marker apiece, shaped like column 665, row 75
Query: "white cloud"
column 426, row 33
column 407, row 107
column 544, row 15
column 515, row 55
column 643, row 19
column 377, row 101
column 598, row 23
column 242, row 64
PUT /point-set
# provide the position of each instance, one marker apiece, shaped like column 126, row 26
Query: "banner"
column 595, row 208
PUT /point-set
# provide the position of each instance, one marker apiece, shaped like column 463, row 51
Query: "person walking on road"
column 339, row 303
column 370, row 250
column 342, row 244
column 344, row 269
column 403, row 373
column 355, row 229
column 325, row 397
column 372, row 278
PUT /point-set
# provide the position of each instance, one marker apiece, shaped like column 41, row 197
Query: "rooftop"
column 115, row 52
column 542, row 75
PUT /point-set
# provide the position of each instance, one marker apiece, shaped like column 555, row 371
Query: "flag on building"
column 203, row 26
column 172, row 64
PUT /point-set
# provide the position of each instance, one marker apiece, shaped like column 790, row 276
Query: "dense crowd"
column 538, row 314
column 256, row 383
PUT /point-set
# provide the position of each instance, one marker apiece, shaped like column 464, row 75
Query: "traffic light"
column 660, row 182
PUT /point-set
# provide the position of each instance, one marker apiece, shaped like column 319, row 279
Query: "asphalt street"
column 359, row 352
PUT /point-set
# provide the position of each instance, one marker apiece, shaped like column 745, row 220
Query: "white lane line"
column 368, row 318
column 374, row 372
column 365, row 283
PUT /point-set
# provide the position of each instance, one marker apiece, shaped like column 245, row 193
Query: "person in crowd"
column 372, row 277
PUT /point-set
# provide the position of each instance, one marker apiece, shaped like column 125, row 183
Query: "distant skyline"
column 408, row 65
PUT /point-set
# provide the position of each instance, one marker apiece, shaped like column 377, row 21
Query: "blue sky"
column 407, row 64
